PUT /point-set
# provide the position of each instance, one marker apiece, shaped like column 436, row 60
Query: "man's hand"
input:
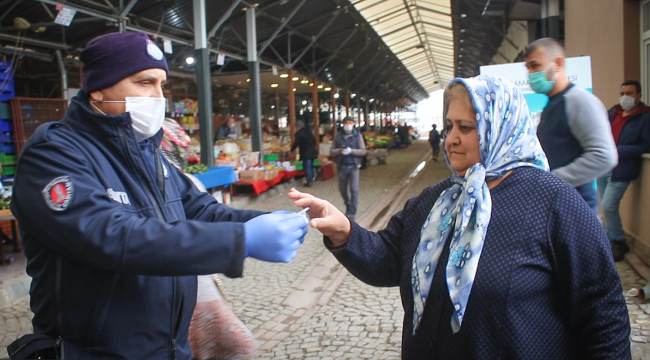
column 324, row 217
column 275, row 237
column 346, row 151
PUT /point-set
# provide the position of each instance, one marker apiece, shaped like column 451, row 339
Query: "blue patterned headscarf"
column 507, row 140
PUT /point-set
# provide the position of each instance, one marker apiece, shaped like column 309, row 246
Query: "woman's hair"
column 458, row 91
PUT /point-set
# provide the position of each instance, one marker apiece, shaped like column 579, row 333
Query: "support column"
column 63, row 74
column 202, row 56
column 347, row 102
column 334, row 123
column 277, row 107
column 315, row 110
column 292, row 107
column 365, row 112
column 358, row 111
column 254, row 87
column 551, row 18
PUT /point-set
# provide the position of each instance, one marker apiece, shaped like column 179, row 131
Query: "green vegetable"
column 5, row 203
column 195, row 169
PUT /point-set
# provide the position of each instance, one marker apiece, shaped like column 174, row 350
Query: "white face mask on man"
column 147, row 114
column 348, row 128
column 627, row 102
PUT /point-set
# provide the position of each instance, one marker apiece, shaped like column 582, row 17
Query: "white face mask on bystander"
column 627, row 102
column 147, row 114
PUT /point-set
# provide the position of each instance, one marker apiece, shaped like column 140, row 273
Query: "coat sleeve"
column 99, row 232
column 634, row 151
column 336, row 147
column 374, row 258
column 361, row 151
column 588, row 279
column 588, row 121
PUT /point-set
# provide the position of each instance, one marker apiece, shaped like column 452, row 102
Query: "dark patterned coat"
column 546, row 286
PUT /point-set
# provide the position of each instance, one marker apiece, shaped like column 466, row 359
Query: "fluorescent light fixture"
column 304, row 102
column 295, row 78
column 189, row 60
column 336, row 96
column 328, row 89
column 284, row 76
column 274, row 85
column 320, row 86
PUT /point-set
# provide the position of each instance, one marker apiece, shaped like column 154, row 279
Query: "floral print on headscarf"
column 507, row 140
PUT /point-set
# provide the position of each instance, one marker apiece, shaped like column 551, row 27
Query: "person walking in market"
column 630, row 121
column 349, row 148
column 574, row 130
column 113, row 234
column 306, row 143
column 434, row 140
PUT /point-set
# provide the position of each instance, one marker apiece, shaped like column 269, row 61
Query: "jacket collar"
column 81, row 116
column 643, row 108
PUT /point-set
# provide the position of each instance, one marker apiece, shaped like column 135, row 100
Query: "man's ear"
column 559, row 62
column 97, row 95
column 639, row 96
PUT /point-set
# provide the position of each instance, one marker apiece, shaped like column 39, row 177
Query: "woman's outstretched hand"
column 324, row 217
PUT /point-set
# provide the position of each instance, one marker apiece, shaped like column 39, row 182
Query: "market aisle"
column 357, row 321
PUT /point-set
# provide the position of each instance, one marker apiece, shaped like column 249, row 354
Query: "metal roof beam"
column 127, row 9
column 315, row 38
column 471, row 7
column 224, row 17
column 353, row 60
column 283, row 23
column 46, row 44
column 331, row 57
column 84, row 10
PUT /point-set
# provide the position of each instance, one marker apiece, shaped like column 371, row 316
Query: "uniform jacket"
column 114, row 238
column 633, row 142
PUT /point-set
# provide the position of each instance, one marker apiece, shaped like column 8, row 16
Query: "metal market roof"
column 419, row 32
column 327, row 39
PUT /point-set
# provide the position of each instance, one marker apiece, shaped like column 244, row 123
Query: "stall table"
column 7, row 215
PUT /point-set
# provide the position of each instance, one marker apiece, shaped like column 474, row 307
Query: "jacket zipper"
column 161, row 214
column 142, row 178
column 59, row 305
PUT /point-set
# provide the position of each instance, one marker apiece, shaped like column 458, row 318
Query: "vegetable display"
column 195, row 169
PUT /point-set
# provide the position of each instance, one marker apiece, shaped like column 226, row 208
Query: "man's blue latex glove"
column 275, row 237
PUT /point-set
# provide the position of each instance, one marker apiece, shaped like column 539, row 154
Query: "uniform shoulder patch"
column 154, row 51
column 58, row 193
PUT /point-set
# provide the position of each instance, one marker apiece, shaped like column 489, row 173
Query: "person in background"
column 499, row 261
column 306, row 143
column 434, row 140
column 349, row 147
column 574, row 130
column 114, row 235
column 225, row 130
column 630, row 121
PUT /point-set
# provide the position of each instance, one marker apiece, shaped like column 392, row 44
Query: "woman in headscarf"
column 501, row 260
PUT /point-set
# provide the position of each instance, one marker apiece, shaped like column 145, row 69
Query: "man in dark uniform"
column 113, row 234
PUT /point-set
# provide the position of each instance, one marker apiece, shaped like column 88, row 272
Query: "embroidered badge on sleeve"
column 58, row 193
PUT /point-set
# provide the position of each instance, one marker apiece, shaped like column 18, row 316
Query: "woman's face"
column 462, row 137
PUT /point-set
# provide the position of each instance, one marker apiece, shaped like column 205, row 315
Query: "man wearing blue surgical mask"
column 113, row 234
column 574, row 129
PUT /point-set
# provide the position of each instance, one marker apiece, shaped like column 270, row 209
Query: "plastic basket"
column 8, row 170
column 5, row 110
column 271, row 157
column 6, row 137
column 7, row 159
column 7, row 148
column 6, row 126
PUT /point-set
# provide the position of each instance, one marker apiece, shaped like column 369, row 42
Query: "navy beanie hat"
column 109, row 58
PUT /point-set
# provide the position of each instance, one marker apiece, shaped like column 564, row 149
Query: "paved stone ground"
column 348, row 319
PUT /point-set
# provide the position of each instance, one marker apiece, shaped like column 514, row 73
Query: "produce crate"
column 6, row 126
column 7, row 148
column 271, row 157
column 6, row 137
column 7, row 159
column 8, row 170
column 5, row 110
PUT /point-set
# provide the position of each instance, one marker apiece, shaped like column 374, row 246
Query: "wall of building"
column 635, row 213
column 595, row 28
column 610, row 35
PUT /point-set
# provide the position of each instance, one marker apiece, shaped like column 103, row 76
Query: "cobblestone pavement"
column 313, row 309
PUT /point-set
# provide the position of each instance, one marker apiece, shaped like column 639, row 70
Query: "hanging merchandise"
column 65, row 15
